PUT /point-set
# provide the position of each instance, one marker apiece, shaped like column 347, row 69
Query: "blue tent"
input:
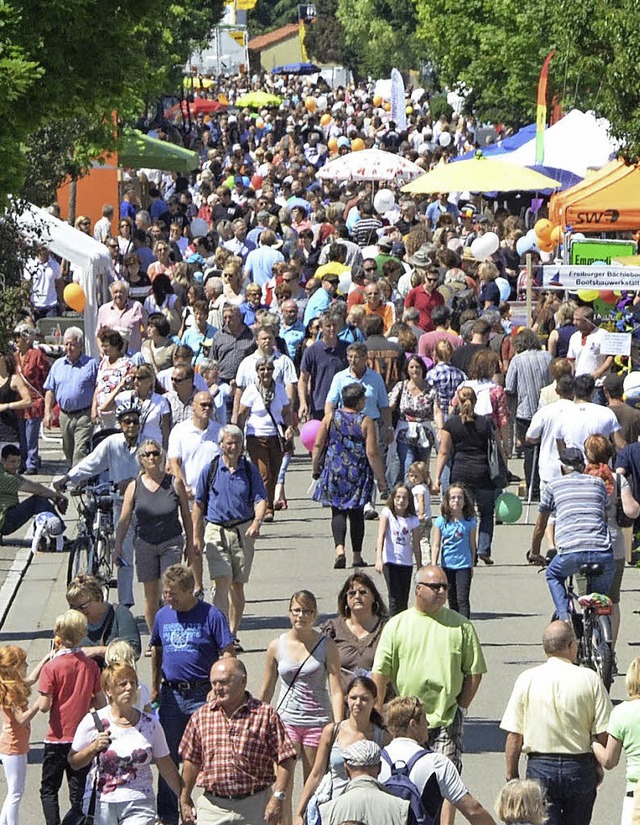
column 296, row 68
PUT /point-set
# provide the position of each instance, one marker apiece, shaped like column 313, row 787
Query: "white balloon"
column 505, row 288
column 383, row 201
column 445, row 139
column 344, row 284
column 485, row 245
column 321, row 102
column 577, row 236
column 199, row 227
column 632, row 383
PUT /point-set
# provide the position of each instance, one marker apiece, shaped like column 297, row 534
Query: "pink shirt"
column 128, row 320
column 427, row 342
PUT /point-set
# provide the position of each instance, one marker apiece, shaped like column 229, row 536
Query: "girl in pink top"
column 15, row 687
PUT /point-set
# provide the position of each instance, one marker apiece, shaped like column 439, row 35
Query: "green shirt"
column 624, row 724
column 428, row 657
column 9, row 486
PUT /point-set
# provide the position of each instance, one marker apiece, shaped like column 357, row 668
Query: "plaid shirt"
column 445, row 379
column 236, row 753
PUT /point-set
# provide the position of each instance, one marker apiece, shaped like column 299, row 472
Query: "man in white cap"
column 364, row 799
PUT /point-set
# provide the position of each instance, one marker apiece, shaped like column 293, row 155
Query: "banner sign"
column 590, row 250
column 398, row 106
column 615, row 343
column 591, row 277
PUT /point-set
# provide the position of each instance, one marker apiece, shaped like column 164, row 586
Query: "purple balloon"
column 309, row 432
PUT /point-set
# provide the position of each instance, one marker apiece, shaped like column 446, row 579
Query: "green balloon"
column 508, row 508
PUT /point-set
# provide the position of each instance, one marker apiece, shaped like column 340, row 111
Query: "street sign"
column 591, row 277
column 589, row 250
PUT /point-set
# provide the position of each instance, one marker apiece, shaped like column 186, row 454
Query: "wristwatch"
column 280, row 795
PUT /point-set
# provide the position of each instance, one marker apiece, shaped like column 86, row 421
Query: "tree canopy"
column 76, row 59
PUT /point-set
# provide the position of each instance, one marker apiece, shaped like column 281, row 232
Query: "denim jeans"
column 531, row 476
column 16, row 517
column 567, row 564
column 29, row 429
column 54, row 767
column 486, row 502
column 459, row 589
column 407, row 454
column 570, row 786
column 175, row 712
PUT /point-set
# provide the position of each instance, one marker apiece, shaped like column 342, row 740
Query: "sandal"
column 281, row 504
column 360, row 563
column 486, row 559
column 340, row 563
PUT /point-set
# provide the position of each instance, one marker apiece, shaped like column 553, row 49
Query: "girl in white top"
column 120, row 652
column 419, row 479
column 397, row 545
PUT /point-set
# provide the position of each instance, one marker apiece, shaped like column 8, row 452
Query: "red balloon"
column 607, row 296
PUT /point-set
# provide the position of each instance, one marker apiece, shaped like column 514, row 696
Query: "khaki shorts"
column 229, row 552
column 215, row 810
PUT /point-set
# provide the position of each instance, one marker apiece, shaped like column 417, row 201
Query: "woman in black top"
column 464, row 438
column 14, row 395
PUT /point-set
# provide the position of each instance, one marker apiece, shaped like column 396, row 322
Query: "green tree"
column 325, row 39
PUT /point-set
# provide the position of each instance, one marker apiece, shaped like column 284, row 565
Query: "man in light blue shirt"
column 259, row 265
column 291, row 330
column 321, row 298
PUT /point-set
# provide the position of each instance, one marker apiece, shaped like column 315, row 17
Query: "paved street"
column 510, row 606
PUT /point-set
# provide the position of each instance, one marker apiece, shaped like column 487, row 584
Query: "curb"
column 14, row 578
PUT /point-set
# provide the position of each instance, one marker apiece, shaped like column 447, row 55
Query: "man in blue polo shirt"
column 188, row 636
column 233, row 501
column 320, row 363
column 71, row 384
column 376, row 402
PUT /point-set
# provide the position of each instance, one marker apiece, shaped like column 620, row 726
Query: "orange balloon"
column 544, row 245
column 325, row 120
column 357, row 145
column 377, row 101
column 310, row 104
column 74, row 297
column 557, row 235
column 543, row 229
column 333, row 144
column 387, row 107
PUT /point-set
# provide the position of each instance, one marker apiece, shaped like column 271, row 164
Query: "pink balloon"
column 309, row 432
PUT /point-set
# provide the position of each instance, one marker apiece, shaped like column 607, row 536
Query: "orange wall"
column 93, row 191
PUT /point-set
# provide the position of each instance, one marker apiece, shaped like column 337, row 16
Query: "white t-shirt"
column 422, row 490
column 397, row 538
column 587, row 356
column 545, row 425
column 125, row 767
column 43, row 277
column 284, row 372
column 433, row 773
column 587, row 419
column 194, row 447
column 259, row 421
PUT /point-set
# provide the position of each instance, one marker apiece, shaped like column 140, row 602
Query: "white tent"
column 90, row 259
column 577, row 142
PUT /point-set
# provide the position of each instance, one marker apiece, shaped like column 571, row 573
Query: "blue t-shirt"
column 455, row 548
column 191, row 640
column 229, row 498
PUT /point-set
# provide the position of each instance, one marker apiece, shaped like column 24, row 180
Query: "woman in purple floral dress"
column 122, row 754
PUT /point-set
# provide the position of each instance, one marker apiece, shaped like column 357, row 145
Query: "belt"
column 182, row 685
column 240, row 795
column 74, row 412
column 575, row 757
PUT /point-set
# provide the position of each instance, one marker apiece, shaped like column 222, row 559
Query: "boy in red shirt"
column 69, row 685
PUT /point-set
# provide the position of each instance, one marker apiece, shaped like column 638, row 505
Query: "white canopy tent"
column 90, row 260
column 577, row 142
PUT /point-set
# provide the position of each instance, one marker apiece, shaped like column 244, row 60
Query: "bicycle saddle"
column 593, row 569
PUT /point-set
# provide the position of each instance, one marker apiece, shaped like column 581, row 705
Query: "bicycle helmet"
column 132, row 407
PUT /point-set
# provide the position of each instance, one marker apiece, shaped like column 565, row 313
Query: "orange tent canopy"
column 606, row 201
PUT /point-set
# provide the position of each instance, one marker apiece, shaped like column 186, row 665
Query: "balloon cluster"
column 544, row 237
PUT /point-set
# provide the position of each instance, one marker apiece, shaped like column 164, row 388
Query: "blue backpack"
column 401, row 786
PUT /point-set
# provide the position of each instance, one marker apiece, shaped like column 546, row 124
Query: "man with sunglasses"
column 431, row 636
column 425, row 297
column 116, row 456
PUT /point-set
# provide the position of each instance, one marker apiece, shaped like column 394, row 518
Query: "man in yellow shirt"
column 553, row 713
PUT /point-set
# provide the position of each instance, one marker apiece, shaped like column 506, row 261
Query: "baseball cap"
column 236, row 147
column 572, row 458
column 362, row 754
column 333, row 279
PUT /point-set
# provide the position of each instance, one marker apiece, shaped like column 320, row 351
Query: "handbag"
column 90, row 816
column 287, row 445
column 497, row 467
column 395, row 410
column 622, row 519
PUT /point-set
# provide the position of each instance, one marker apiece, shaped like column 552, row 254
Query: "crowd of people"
column 247, row 302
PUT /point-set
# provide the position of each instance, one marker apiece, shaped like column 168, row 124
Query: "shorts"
column 448, row 741
column 306, row 735
column 229, row 552
column 138, row 812
column 153, row 559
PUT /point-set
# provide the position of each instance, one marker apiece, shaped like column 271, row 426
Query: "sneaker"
column 369, row 513
column 237, row 646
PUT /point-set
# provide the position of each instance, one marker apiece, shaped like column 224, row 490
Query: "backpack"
column 211, row 474
column 401, row 786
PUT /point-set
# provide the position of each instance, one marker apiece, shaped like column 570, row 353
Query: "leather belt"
column 238, row 796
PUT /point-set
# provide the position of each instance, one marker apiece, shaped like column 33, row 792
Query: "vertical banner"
column 541, row 111
column 303, row 49
column 398, row 107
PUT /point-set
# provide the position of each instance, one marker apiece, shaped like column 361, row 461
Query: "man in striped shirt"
column 582, row 535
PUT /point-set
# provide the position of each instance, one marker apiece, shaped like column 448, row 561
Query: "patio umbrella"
column 254, row 100
column 369, row 164
column 206, row 106
column 139, row 150
column 480, row 174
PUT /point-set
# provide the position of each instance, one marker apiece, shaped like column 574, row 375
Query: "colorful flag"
column 541, row 112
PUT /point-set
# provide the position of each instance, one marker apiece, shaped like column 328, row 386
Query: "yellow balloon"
column 588, row 295
column 74, row 297
column 409, row 110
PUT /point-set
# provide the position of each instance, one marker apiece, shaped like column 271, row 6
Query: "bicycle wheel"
column 81, row 558
column 104, row 571
column 601, row 649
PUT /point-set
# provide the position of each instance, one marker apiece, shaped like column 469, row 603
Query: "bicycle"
column 92, row 548
column 592, row 626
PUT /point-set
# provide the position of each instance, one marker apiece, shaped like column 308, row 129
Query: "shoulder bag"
column 497, row 468
column 90, row 816
column 299, row 671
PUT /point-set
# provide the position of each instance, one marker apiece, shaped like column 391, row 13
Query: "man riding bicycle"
column 581, row 532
